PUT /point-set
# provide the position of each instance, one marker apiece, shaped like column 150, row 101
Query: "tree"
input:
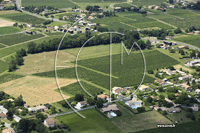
column 12, row 64
column 31, row 47
column 9, row 115
column 23, row 112
column 99, row 104
column 141, row 109
column 177, row 31
column 171, row 34
column 171, row 96
column 91, row 101
column 158, row 45
column 79, row 97
column 165, row 112
column 150, row 72
column 149, row 99
column 118, row 113
column 142, row 44
column 162, row 97
column 41, row 117
column 171, row 1
column 172, row 51
column 53, row 109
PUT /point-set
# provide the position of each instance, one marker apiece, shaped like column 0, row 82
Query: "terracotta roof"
column 185, row 86
column 102, row 96
column 6, row 131
column 83, row 102
column 144, row 86
column 2, row 115
column 50, row 121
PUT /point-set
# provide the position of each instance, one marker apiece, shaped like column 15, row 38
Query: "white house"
column 118, row 90
column 197, row 91
column 185, row 76
column 134, row 103
column 145, row 87
column 81, row 104
column 49, row 123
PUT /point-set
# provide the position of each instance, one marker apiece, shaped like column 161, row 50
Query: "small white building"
column 49, row 123
column 197, row 91
column 134, row 103
column 145, row 87
column 81, row 104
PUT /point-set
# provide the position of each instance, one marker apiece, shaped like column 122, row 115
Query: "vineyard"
column 8, row 30
column 24, row 18
column 8, row 77
column 3, row 66
column 18, row 38
column 54, row 3
column 2, row 46
column 147, row 2
column 193, row 40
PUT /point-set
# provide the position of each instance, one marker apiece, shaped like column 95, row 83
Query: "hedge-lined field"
column 75, row 88
column 9, row 30
column 8, row 77
column 3, row 66
column 18, row 38
column 54, row 3
column 22, row 17
column 193, row 40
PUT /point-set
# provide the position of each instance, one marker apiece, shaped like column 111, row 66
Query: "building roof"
column 39, row 108
column 197, row 90
column 194, row 108
column 134, row 100
column 83, row 102
column 160, row 82
column 144, row 86
column 2, row 115
column 112, row 107
column 173, row 109
column 6, row 131
column 186, row 86
column 50, row 121
column 10, row 100
column 102, row 96
column 177, row 94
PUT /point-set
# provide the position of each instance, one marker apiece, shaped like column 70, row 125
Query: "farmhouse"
column 103, row 97
column 145, row 87
column 37, row 108
column 3, row 116
column 118, row 90
column 112, row 107
column 167, row 71
column 187, row 87
column 185, row 76
column 197, row 91
column 117, row 9
column 49, row 123
column 6, row 131
column 160, row 82
column 173, row 110
column 134, row 103
column 81, row 104
column 193, row 63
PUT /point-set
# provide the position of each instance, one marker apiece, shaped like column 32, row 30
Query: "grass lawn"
column 177, row 117
column 3, row 66
column 57, row 3
column 93, row 123
column 18, row 38
column 130, row 122
column 59, row 106
column 9, row 29
column 56, row 24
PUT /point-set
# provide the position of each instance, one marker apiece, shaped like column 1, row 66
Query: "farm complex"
column 99, row 66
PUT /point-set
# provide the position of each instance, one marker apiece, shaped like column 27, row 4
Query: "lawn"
column 93, row 123
column 189, row 127
column 193, row 40
column 8, row 77
column 56, row 24
column 24, row 18
column 130, row 122
column 177, row 117
column 3, row 66
column 9, row 30
column 18, row 38
column 54, row 3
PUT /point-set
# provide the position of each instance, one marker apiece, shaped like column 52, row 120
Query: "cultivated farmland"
column 147, row 2
column 18, row 38
column 193, row 40
column 9, row 30
column 94, row 122
column 54, row 3
column 22, row 17
column 3, row 66
column 2, row 46
column 8, row 77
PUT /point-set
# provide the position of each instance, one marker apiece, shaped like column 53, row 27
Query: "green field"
column 75, row 88
column 193, row 40
column 22, row 17
column 8, row 77
column 94, row 122
column 2, row 46
column 18, row 38
column 87, row 1
column 177, row 17
column 189, row 127
column 9, row 30
column 56, row 24
column 54, row 33
column 147, row 2
column 3, row 66
column 54, row 3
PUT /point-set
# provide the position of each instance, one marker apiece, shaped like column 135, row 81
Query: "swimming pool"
column 113, row 114
column 134, row 106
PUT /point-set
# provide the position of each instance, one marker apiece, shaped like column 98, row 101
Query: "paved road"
column 70, row 112
column 36, row 15
column 188, row 45
column 9, row 127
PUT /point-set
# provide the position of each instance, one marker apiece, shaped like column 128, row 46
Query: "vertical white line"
column 110, row 64
column 121, row 54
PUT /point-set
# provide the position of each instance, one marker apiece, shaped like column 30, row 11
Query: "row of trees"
column 39, row 9
column 17, row 60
